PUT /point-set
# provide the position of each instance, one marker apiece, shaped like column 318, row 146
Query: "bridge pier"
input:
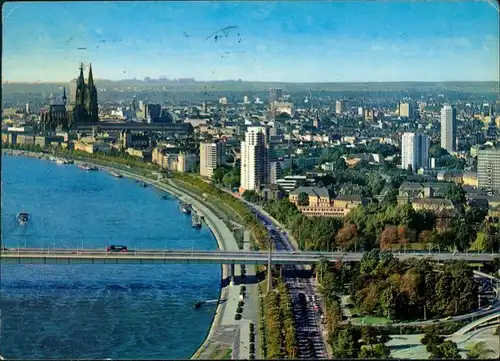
column 231, row 274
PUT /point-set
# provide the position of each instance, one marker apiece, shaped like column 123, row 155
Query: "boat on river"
column 88, row 167
column 116, row 175
column 196, row 220
column 185, row 208
column 23, row 217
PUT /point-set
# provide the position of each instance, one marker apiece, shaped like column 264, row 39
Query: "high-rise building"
column 340, row 106
column 254, row 159
column 275, row 94
column 152, row 112
column 405, row 110
column 448, row 128
column 414, row 151
column 488, row 169
column 86, row 108
column 275, row 172
column 211, row 157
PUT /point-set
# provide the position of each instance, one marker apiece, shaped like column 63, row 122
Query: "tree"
column 303, row 199
column 437, row 152
column 389, row 237
column 379, row 351
column 447, row 350
column 347, row 343
column 432, row 340
column 250, row 196
column 479, row 350
column 346, row 236
column 456, row 194
column 218, row 175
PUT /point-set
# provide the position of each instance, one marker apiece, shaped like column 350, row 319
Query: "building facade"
column 275, row 94
column 488, row 169
column 56, row 116
column 340, row 106
column 414, row 151
column 254, row 159
column 448, row 128
column 405, row 110
column 211, row 157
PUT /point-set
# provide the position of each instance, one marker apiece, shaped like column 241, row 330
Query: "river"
column 98, row 311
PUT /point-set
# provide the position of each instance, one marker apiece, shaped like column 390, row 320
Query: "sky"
column 292, row 41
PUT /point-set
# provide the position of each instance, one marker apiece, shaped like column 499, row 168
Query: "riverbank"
column 224, row 337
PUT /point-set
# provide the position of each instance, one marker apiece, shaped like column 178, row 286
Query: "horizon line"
column 37, row 82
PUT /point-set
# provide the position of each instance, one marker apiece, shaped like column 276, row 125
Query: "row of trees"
column 382, row 285
column 259, row 232
column 114, row 156
column 388, row 287
column 353, row 342
column 279, row 324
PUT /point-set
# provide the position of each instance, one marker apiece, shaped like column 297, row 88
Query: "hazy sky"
column 278, row 41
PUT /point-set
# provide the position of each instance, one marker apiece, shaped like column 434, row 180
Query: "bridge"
column 490, row 319
column 101, row 256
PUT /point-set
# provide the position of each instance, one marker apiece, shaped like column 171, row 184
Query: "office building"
column 340, row 106
column 211, row 157
column 448, row 128
column 414, row 151
column 405, row 110
column 275, row 94
column 275, row 172
column 254, row 159
column 488, row 169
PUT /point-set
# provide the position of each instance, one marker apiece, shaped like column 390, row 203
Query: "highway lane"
column 304, row 295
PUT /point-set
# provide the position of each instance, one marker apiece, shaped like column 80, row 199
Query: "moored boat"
column 196, row 220
column 116, row 175
column 185, row 208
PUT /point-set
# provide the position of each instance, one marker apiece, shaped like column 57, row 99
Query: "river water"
column 98, row 311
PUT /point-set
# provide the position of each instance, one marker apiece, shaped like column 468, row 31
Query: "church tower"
column 64, row 99
column 92, row 107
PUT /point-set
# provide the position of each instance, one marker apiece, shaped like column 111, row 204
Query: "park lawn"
column 221, row 353
column 370, row 320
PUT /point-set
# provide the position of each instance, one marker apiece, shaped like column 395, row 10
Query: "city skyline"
column 253, row 41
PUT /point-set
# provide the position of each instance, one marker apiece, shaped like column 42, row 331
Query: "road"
column 307, row 319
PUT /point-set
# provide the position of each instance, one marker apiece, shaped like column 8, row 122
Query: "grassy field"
column 221, row 353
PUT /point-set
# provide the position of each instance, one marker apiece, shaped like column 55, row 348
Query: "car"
column 113, row 248
column 449, row 318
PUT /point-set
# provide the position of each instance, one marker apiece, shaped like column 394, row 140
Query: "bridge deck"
column 99, row 256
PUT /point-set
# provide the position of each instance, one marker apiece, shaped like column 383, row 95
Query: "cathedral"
column 56, row 116
column 86, row 109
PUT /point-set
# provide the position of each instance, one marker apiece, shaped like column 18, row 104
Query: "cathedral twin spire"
column 86, row 109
